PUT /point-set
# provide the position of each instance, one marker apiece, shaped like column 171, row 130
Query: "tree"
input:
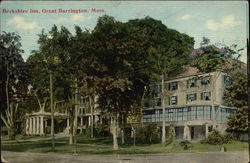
column 51, row 70
column 205, row 41
column 236, row 96
column 15, row 79
column 131, row 56
column 209, row 60
column 134, row 118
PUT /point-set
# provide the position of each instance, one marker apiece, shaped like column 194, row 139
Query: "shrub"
column 185, row 144
column 170, row 138
column 99, row 130
column 152, row 133
column 148, row 135
column 216, row 138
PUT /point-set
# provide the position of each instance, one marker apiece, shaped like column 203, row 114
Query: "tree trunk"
column 134, row 134
column 163, row 138
column 123, row 130
column 10, row 119
column 92, row 116
column 11, row 133
column 71, row 135
column 114, row 132
column 52, row 113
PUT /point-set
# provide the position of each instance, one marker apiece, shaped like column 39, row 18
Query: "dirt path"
column 211, row 157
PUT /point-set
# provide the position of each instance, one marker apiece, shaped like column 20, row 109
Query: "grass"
column 103, row 145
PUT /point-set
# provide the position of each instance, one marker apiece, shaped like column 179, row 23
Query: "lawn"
column 103, row 145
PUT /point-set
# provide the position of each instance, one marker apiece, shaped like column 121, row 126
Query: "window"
column 227, row 80
column 146, row 103
column 191, row 83
column 207, row 112
column 179, row 114
column 158, row 101
column 173, row 86
column 191, row 97
column 173, row 100
column 205, row 80
column 157, row 88
column 192, row 113
column 200, row 112
column 206, row 96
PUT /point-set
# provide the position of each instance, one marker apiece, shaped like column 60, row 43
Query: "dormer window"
column 173, row 86
column 205, row 80
column 191, row 83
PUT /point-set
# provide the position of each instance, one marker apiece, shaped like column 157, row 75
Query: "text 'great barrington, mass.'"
column 60, row 10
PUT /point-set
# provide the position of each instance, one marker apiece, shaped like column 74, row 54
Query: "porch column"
column 27, row 126
column 81, row 121
column 89, row 120
column 37, row 125
column 31, row 127
column 186, row 134
column 67, row 122
column 206, row 130
column 41, row 126
column 213, row 116
column 100, row 119
column 34, row 125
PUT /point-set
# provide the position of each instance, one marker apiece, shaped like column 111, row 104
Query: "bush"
column 216, row 138
column 99, row 130
column 148, row 135
column 170, row 138
column 185, row 144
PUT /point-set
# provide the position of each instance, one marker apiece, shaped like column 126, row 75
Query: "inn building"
column 193, row 104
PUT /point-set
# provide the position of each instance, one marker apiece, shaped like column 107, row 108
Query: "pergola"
column 37, row 122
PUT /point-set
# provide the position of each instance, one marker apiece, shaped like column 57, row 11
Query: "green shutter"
column 176, row 100
column 202, row 96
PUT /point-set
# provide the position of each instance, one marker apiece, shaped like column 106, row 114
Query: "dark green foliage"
column 209, row 60
column 171, row 136
column 236, row 96
column 236, row 93
column 215, row 138
column 100, row 130
column 149, row 134
column 185, row 144
column 205, row 41
column 53, row 56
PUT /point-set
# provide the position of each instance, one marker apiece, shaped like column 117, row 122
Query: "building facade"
column 193, row 104
column 39, row 123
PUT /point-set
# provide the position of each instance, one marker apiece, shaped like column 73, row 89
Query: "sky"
column 223, row 22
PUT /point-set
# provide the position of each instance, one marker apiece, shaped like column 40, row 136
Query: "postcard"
column 124, row 81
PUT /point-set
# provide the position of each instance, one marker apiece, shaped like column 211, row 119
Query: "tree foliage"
column 236, row 96
column 14, row 83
